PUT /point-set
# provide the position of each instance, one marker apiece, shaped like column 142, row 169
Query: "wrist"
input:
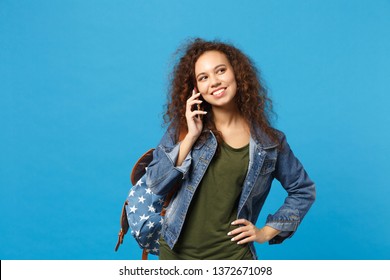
column 190, row 138
column 266, row 233
column 270, row 232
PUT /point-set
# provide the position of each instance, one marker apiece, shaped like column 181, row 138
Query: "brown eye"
column 202, row 78
column 221, row 70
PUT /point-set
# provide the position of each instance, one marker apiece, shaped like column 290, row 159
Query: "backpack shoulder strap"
column 124, row 227
column 139, row 167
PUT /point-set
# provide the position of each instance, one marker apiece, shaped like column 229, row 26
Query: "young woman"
column 222, row 150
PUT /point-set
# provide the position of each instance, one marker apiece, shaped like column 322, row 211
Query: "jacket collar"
column 262, row 139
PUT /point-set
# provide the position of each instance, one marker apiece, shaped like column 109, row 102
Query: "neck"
column 225, row 117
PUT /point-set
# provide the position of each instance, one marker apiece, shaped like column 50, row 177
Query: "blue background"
column 83, row 86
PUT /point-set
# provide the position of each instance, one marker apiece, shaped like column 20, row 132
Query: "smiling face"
column 215, row 79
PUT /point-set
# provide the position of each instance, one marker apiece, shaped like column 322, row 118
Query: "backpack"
column 143, row 211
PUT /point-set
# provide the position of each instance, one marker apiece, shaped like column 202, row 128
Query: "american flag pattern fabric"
column 143, row 214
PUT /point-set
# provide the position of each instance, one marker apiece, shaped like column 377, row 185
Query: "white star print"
column 151, row 208
column 143, row 217
column 150, row 224
column 141, row 199
column 148, row 191
column 133, row 209
column 139, row 183
column 147, row 207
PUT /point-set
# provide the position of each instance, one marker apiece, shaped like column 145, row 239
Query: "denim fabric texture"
column 267, row 161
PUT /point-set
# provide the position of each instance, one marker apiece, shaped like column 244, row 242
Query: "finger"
column 246, row 240
column 241, row 222
column 236, row 232
column 194, row 95
column 240, row 236
column 242, row 231
column 196, row 113
column 243, row 235
column 191, row 103
column 195, row 90
column 194, row 102
column 247, row 226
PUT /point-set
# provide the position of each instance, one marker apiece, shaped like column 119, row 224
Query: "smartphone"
column 199, row 108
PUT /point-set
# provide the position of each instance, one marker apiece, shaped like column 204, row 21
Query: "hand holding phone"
column 194, row 113
column 198, row 107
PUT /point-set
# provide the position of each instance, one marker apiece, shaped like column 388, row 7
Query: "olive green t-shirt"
column 213, row 208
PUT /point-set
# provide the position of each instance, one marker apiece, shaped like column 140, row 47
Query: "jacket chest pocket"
column 268, row 166
column 269, row 163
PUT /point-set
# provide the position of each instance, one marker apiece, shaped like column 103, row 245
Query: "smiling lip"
column 218, row 92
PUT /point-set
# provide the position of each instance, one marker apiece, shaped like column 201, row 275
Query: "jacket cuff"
column 286, row 224
column 173, row 155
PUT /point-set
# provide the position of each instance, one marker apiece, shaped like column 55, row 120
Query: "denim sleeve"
column 301, row 194
column 162, row 174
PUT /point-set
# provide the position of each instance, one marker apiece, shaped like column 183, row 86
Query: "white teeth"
column 218, row 91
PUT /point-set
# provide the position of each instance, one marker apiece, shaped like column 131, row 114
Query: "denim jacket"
column 266, row 162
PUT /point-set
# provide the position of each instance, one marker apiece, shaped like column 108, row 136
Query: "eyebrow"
column 219, row 65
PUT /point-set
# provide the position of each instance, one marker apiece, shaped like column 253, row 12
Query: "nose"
column 214, row 81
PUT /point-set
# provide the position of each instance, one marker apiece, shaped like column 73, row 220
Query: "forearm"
column 185, row 148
